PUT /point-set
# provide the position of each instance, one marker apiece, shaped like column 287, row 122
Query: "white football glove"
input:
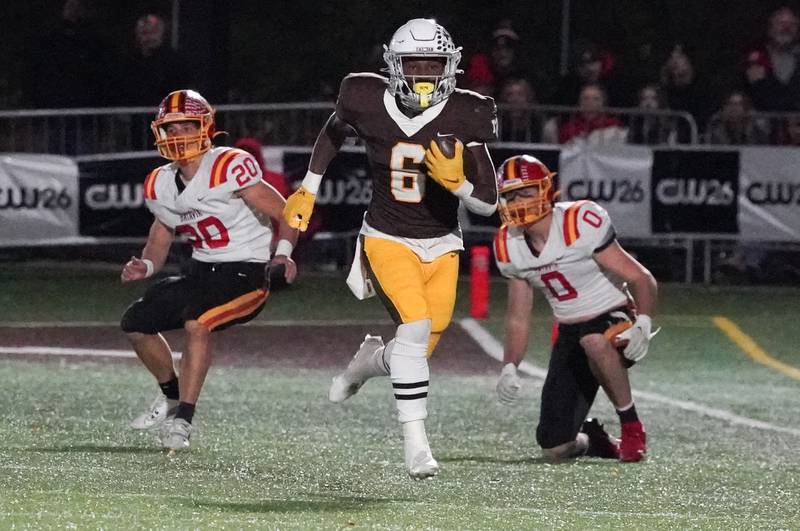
column 508, row 385
column 638, row 337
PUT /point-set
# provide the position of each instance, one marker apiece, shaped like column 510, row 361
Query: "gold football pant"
column 410, row 289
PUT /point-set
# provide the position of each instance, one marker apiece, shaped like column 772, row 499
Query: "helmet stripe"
column 512, row 169
column 172, row 106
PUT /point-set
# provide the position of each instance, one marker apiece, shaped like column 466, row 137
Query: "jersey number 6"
column 407, row 180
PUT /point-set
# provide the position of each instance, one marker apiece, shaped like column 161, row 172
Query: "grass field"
column 272, row 453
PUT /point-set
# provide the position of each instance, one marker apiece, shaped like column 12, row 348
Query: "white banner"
column 38, row 199
column 769, row 194
column 616, row 176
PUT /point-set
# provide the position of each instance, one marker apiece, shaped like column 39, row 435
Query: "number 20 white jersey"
column 219, row 225
column 565, row 271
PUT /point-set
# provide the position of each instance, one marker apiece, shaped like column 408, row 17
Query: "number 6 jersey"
column 565, row 271
column 219, row 225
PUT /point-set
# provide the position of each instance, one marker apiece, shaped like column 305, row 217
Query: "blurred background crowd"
column 730, row 65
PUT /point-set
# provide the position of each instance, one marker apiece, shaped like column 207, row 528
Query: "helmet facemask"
column 421, row 39
column 183, row 106
column 525, row 173
column 524, row 210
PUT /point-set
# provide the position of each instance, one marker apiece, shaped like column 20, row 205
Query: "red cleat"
column 633, row 445
column 601, row 444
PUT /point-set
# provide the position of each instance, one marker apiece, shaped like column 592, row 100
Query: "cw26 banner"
column 38, row 199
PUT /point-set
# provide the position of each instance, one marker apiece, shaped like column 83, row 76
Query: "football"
column 620, row 344
column 447, row 145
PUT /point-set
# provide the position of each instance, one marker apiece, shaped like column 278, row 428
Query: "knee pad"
column 550, row 437
column 135, row 320
column 415, row 332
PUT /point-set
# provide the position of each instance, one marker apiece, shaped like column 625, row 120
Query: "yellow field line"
column 751, row 348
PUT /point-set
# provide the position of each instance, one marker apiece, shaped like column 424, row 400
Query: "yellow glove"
column 448, row 172
column 298, row 209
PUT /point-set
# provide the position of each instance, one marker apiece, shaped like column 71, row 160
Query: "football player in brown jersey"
column 408, row 245
column 569, row 251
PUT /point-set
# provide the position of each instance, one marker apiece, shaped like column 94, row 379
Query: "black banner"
column 112, row 198
column 345, row 192
column 695, row 192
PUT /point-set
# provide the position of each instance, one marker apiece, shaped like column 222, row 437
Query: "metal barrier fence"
column 125, row 129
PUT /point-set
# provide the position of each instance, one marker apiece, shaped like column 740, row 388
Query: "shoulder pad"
column 354, row 84
column 151, row 179
column 583, row 217
column 222, row 168
column 478, row 114
column 357, row 92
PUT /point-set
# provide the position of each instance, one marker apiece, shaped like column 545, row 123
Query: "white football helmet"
column 423, row 38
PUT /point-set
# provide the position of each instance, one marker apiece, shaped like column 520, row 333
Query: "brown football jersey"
column 405, row 201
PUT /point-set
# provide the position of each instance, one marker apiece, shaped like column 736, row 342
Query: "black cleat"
column 601, row 444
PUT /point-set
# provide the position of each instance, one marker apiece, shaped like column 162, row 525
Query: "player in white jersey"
column 570, row 252
column 216, row 198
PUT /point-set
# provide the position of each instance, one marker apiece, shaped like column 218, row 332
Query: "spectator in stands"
column 685, row 91
column 518, row 122
column 591, row 65
column 772, row 68
column 591, row 122
column 734, row 124
column 789, row 134
column 650, row 128
column 70, row 66
column 479, row 76
column 154, row 68
column 486, row 73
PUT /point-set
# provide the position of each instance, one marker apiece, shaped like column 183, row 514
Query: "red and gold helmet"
column 183, row 106
column 523, row 171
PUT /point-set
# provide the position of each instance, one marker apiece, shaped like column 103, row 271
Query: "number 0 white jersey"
column 219, row 225
column 565, row 271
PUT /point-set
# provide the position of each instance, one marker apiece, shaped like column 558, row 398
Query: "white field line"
column 61, row 351
column 494, row 349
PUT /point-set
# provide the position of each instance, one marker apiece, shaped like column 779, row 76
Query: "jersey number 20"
column 210, row 232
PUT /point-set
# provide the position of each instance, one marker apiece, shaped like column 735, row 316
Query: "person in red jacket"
column 591, row 118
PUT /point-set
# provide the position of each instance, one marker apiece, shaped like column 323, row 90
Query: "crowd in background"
column 769, row 81
column 80, row 71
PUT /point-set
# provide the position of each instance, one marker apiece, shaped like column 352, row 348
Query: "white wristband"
column 644, row 320
column 311, row 182
column 284, row 248
column 150, row 267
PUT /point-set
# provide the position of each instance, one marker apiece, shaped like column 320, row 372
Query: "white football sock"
column 409, row 370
